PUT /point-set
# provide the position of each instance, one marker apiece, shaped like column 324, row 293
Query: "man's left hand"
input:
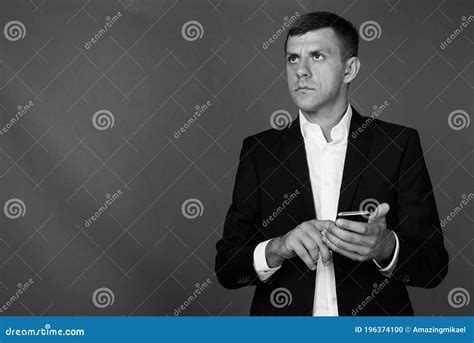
column 362, row 241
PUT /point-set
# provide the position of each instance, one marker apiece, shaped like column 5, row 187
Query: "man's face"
column 314, row 69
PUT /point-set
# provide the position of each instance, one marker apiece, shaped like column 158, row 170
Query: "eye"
column 317, row 57
column 292, row 58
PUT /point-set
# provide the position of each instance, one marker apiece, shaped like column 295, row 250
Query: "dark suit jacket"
column 384, row 162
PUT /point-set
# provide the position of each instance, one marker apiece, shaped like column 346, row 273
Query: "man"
column 300, row 258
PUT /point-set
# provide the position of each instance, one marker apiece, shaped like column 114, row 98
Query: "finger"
column 320, row 225
column 358, row 227
column 323, row 249
column 316, row 229
column 351, row 237
column 358, row 249
column 380, row 212
column 303, row 254
column 310, row 245
column 348, row 254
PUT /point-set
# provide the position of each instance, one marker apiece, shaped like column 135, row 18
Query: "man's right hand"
column 304, row 241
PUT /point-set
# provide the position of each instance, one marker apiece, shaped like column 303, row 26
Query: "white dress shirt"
column 325, row 164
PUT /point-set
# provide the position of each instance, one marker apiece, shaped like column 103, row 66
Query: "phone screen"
column 357, row 216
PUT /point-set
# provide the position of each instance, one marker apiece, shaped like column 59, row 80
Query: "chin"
column 309, row 105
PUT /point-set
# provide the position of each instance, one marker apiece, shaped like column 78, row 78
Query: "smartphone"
column 357, row 216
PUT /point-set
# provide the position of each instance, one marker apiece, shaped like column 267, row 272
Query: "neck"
column 327, row 118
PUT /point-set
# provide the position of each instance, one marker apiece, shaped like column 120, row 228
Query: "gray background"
column 150, row 78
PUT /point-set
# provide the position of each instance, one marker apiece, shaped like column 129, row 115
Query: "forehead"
column 321, row 39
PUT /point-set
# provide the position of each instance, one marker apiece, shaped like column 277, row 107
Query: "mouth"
column 297, row 89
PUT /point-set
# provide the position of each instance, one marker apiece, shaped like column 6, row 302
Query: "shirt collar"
column 339, row 133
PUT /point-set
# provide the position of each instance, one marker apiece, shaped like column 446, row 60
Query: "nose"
column 303, row 70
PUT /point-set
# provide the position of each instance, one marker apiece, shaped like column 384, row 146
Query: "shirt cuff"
column 260, row 262
column 387, row 271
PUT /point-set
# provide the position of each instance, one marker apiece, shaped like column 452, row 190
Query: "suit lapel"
column 354, row 163
column 356, row 154
column 355, row 160
column 295, row 158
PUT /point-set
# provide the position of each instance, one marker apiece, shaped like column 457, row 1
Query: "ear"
column 352, row 66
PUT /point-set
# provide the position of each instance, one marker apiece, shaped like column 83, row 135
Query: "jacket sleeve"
column 234, row 259
column 423, row 259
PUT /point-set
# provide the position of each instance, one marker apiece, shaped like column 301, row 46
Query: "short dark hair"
column 345, row 31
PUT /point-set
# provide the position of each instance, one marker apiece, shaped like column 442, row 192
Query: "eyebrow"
column 311, row 53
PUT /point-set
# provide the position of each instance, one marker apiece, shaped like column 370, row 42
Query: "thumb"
column 320, row 225
column 380, row 212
